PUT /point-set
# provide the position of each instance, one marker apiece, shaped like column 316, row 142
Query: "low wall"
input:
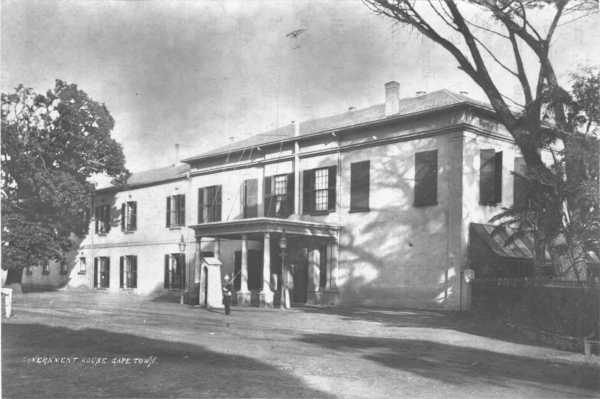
column 560, row 314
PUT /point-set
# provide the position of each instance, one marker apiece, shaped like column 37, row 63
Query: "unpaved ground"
column 308, row 352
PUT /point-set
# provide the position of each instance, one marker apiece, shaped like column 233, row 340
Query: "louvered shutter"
column 133, row 271
column 425, row 178
column 290, row 194
column 520, row 183
column 168, row 211
column 331, row 196
column 167, row 282
column 181, row 211
column 133, row 215
column 251, row 198
column 359, row 186
column 95, row 272
column 218, row 207
column 486, row 177
column 121, row 271
column 200, row 205
column 123, row 216
column 268, row 197
column 308, row 187
column 498, row 177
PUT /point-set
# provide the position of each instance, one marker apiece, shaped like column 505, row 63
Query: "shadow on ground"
column 458, row 365
column 182, row 370
column 467, row 322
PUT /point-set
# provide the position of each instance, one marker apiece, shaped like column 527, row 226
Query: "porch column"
column 266, row 295
column 195, row 283
column 243, row 295
column 333, row 264
column 217, row 248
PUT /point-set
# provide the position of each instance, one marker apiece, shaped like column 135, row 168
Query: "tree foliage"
column 51, row 145
column 545, row 116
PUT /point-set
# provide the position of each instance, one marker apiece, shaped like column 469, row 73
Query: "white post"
column 217, row 248
column 266, row 295
column 244, row 265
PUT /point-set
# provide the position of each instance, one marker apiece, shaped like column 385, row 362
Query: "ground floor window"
column 82, row 265
column 128, row 271
column 174, row 271
column 101, row 272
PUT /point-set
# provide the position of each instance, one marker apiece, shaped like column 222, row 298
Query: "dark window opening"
column 279, row 195
column 209, row 204
column 359, row 186
column 176, row 210
column 319, row 190
column 129, row 216
column 101, row 272
column 490, row 177
column 102, row 219
column 128, row 271
column 426, row 172
column 250, row 198
column 174, row 271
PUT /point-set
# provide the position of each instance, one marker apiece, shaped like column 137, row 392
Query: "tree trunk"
column 14, row 276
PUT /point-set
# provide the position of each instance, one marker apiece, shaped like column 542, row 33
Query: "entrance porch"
column 306, row 264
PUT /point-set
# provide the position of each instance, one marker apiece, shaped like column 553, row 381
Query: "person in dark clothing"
column 227, row 293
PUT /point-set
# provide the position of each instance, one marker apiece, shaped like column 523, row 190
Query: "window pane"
column 321, row 200
column 280, row 185
column 321, row 179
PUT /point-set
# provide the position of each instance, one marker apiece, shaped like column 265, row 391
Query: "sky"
column 203, row 73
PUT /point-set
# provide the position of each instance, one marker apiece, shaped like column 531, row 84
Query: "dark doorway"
column 300, row 273
column 255, row 270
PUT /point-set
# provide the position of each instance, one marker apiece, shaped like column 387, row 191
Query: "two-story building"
column 374, row 204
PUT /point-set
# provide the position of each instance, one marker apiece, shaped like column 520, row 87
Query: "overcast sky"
column 201, row 73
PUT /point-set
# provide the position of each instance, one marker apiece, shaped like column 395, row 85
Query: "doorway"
column 300, row 275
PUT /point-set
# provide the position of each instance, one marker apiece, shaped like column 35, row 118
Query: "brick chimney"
column 392, row 98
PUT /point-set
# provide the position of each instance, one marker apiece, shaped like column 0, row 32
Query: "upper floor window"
column 45, row 268
column 319, row 190
column 250, row 198
column 209, row 204
column 28, row 270
column 129, row 216
column 64, row 267
column 128, row 271
column 359, row 186
column 426, row 173
column 102, row 218
column 490, row 177
column 176, row 210
column 279, row 195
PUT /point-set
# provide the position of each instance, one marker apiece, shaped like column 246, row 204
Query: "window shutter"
column 359, row 185
column 498, row 177
column 331, row 197
column 290, row 194
column 181, row 213
column 486, row 177
column 308, row 187
column 96, row 217
column 426, row 178
column 268, row 197
column 181, row 267
column 251, row 198
column 123, row 215
column 168, row 211
column 95, row 272
column 133, row 267
column 121, row 271
column 218, row 207
column 166, row 271
column 200, row 205
column 133, row 215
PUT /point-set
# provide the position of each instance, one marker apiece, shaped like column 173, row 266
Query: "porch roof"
column 255, row 227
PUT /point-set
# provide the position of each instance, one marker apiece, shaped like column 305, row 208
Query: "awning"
column 255, row 227
column 519, row 248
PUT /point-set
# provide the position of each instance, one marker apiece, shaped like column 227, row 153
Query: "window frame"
column 490, row 177
column 127, row 269
column 175, row 211
column 309, row 194
column 169, row 277
column 82, row 270
column 210, row 211
column 129, row 216
column 284, row 199
column 102, row 219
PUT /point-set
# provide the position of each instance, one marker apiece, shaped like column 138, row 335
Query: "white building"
column 375, row 204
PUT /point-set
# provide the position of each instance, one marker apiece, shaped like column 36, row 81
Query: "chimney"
column 420, row 93
column 392, row 98
column 176, row 154
column 464, row 92
column 296, row 127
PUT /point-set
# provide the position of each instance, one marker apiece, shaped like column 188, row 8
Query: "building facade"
column 373, row 207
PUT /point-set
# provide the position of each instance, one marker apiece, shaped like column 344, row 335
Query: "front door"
column 300, row 273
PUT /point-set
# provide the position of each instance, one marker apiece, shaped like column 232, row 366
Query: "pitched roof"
column 151, row 176
column 407, row 106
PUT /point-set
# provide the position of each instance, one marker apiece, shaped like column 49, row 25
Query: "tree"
column 544, row 116
column 51, row 145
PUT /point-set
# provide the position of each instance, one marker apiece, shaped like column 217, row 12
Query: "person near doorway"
column 227, row 293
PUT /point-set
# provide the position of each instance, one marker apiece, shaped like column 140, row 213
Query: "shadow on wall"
column 459, row 365
column 397, row 245
column 181, row 370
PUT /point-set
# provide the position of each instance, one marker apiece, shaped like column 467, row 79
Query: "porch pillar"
column 196, row 295
column 217, row 248
column 243, row 295
column 266, row 295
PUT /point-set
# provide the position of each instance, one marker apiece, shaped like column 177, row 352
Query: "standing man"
column 227, row 293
